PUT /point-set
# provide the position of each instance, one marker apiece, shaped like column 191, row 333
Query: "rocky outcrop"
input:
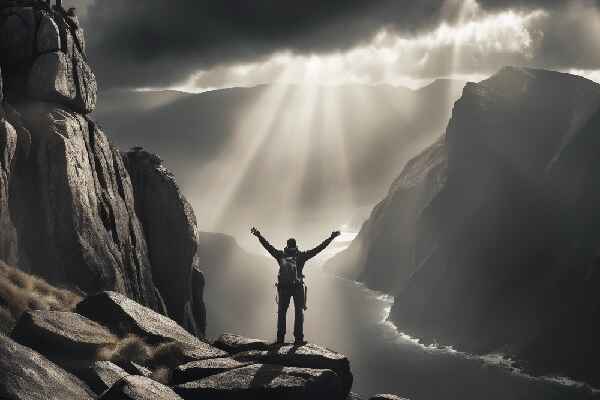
column 139, row 388
column 43, row 56
column 69, row 210
column 27, row 375
column 124, row 315
column 128, row 351
column 84, row 223
column 197, row 305
column 197, row 370
column 260, row 381
column 170, row 228
column 53, row 331
column 8, row 152
column 307, row 356
column 386, row 397
column 500, row 252
column 233, row 343
column 102, row 375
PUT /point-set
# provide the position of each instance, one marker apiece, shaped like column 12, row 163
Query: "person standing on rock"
column 290, row 282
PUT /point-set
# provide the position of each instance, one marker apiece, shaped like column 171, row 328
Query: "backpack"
column 288, row 271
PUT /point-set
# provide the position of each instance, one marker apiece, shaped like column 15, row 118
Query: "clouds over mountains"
column 160, row 43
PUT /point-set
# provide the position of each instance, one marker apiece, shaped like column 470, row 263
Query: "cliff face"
column 382, row 254
column 500, row 251
column 69, row 210
column 170, row 227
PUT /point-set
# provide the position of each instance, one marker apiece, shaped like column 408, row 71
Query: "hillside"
column 489, row 237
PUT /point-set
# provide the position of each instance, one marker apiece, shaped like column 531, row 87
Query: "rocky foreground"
column 114, row 348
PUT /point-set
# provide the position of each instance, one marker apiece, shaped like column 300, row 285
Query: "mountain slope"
column 499, row 252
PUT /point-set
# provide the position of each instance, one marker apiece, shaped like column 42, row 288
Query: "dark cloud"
column 157, row 42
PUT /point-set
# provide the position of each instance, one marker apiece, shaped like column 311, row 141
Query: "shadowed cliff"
column 488, row 239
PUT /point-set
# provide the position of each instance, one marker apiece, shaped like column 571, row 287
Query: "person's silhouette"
column 290, row 282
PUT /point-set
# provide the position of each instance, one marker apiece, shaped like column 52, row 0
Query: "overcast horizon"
column 208, row 45
column 324, row 156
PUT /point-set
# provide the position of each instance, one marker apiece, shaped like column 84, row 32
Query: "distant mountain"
column 490, row 238
column 325, row 151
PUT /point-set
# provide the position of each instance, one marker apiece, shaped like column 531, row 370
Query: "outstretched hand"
column 335, row 234
column 255, row 231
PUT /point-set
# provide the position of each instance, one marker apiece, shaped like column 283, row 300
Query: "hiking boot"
column 299, row 342
column 279, row 342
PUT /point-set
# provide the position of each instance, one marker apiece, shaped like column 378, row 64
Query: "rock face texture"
column 28, row 375
column 260, row 381
column 69, row 208
column 53, row 331
column 123, row 350
column 123, row 314
column 8, row 152
column 170, row 227
column 491, row 235
column 197, row 370
column 102, row 375
column 139, row 388
column 43, row 56
column 197, row 305
column 307, row 356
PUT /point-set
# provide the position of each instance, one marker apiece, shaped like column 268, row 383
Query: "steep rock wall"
column 501, row 253
column 68, row 208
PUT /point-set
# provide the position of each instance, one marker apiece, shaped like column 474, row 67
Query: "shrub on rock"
column 125, row 316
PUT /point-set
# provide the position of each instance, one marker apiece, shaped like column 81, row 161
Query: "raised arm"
column 313, row 252
column 268, row 246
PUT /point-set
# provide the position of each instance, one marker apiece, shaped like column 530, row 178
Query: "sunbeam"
column 253, row 130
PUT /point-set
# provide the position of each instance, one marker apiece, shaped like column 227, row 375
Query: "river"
column 349, row 318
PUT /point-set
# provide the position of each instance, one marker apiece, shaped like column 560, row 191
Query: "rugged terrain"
column 489, row 238
column 101, row 291
column 74, row 209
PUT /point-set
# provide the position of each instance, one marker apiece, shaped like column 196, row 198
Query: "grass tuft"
column 20, row 292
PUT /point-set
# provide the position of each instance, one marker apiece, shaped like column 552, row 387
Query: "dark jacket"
column 301, row 256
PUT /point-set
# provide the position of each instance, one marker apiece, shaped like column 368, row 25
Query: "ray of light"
column 334, row 124
column 251, row 132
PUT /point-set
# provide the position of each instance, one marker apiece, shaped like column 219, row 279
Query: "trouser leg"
column 299, row 313
column 284, row 303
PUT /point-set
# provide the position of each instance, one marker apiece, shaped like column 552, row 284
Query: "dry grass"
column 130, row 348
column 162, row 375
column 22, row 292
column 161, row 358
column 169, row 354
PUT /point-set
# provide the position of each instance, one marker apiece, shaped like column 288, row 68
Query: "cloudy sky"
column 314, row 159
column 197, row 45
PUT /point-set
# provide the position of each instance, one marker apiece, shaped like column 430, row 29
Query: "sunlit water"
column 349, row 318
